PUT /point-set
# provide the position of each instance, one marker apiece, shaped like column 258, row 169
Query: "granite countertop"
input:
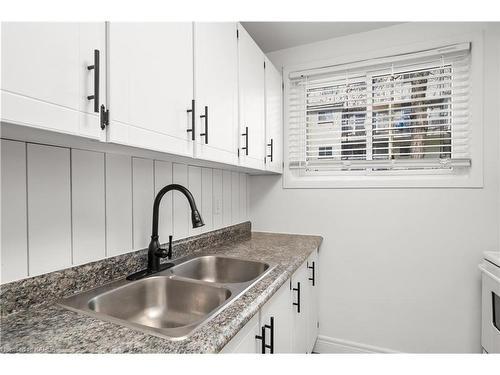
column 50, row 328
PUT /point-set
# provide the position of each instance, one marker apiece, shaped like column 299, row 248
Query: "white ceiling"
column 273, row 36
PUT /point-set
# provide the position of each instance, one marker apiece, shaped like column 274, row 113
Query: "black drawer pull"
column 205, row 116
column 298, row 297
column 313, row 268
column 270, row 145
column 263, row 338
column 193, row 120
column 245, row 134
column 96, row 69
column 271, row 341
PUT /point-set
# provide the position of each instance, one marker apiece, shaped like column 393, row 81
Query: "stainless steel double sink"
column 174, row 302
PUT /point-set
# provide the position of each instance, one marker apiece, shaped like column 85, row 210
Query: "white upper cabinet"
column 45, row 76
column 198, row 90
column 216, row 91
column 251, row 97
column 274, row 153
column 151, row 85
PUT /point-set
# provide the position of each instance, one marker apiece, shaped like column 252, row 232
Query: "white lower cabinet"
column 312, row 292
column 276, row 319
column 288, row 322
column 300, row 310
column 245, row 341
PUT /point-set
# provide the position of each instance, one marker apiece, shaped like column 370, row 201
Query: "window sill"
column 470, row 179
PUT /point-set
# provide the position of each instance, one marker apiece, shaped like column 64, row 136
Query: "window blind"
column 406, row 112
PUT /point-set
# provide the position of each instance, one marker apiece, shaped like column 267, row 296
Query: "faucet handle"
column 169, row 253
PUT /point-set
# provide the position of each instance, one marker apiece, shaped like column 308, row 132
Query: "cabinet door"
column 276, row 315
column 273, row 118
column 151, row 85
column 251, row 90
column 300, row 314
column 245, row 341
column 313, row 305
column 216, row 91
column 45, row 80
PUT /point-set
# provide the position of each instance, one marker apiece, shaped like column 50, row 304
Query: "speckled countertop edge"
column 51, row 328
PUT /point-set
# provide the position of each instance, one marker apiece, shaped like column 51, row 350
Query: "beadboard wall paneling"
column 88, row 206
column 64, row 207
column 14, row 231
column 207, row 198
column 142, row 201
column 49, row 208
column 226, row 198
column 181, row 206
column 243, row 196
column 235, row 196
column 118, row 204
column 163, row 177
column 194, row 186
column 217, row 198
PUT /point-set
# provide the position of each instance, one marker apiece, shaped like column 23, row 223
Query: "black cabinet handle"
column 262, row 337
column 193, row 120
column 104, row 120
column 313, row 268
column 271, row 341
column 205, row 116
column 96, row 69
column 270, row 145
column 245, row 134
column 298, row 297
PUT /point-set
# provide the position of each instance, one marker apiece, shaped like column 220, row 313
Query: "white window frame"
column 459, row 178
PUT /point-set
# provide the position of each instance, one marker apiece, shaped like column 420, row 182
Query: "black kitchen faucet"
column 155, row 252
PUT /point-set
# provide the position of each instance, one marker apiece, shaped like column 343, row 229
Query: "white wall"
column 64, row 207
column 398, row 267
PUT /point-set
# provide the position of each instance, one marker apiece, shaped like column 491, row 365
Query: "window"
column 405, row 114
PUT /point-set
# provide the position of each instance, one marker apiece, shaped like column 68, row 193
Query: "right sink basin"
column 219, row 269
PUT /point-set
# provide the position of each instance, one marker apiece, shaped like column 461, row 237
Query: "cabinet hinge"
column 264, row 65
column 283, row 86
column 104, row 117
column 238, row 152
column 237, row 33
column 317, row 324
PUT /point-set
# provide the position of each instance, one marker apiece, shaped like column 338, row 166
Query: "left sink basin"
column 160, row 304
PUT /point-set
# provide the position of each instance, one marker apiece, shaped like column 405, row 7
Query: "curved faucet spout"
column 155, row 252
column 196, row 219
